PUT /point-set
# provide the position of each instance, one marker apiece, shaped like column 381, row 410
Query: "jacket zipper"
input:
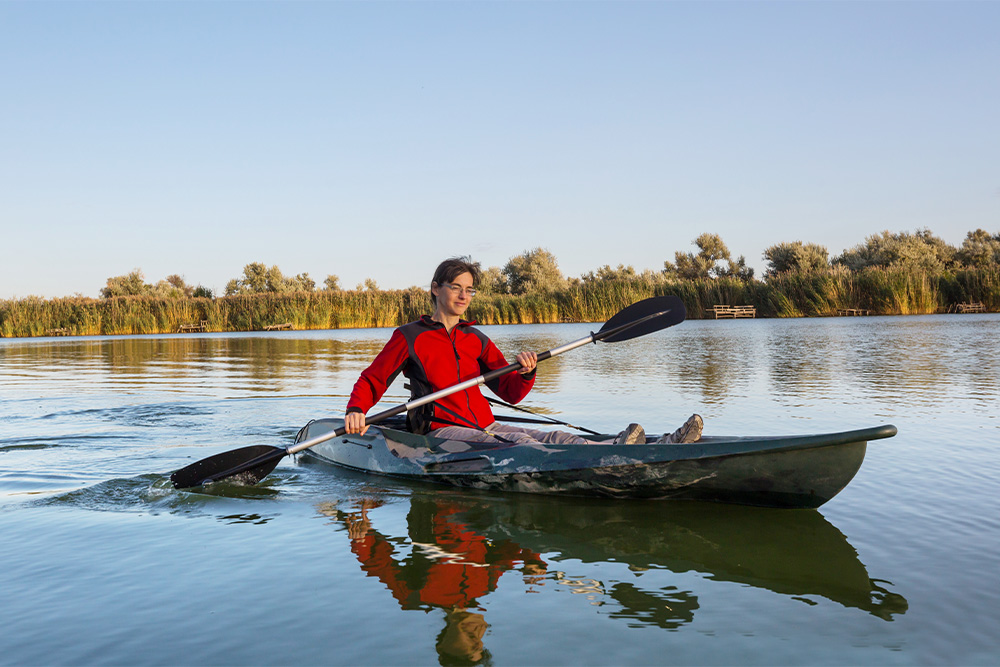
column 458, row 373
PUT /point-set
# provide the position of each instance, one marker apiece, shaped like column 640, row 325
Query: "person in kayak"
column 441, row 350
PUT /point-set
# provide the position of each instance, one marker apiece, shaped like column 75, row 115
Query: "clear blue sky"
column 374, row 139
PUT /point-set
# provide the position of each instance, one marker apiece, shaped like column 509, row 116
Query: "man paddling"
column 441, row 349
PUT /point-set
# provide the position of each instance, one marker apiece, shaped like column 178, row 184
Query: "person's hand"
column 528, row 361
column 354, row 422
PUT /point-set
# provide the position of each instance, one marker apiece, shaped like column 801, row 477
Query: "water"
column 104, row 563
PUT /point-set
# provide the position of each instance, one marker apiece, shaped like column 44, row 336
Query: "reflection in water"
column 328, row 361
column 879, row 359
column 89, row 428
column 920, row 359
column 457, row 547
column 714, row 364
column 890, row 359
column 668, row 607
column 449, row 567
column 255, row 363
column 796, row 553
column 253, row 518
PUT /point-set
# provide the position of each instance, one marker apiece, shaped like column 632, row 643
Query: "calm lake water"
column 104, row 563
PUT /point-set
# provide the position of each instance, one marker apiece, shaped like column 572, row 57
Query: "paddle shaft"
column 474, row 382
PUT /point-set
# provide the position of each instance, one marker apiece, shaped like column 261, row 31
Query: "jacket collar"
column 434, row 324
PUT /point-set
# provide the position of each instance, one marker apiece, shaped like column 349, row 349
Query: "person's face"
column 453, row 298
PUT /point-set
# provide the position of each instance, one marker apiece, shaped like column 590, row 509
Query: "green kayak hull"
column 775, row 471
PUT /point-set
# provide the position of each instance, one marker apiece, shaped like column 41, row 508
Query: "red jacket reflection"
column 451, row 571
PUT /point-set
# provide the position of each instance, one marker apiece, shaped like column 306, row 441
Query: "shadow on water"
column 457, row 547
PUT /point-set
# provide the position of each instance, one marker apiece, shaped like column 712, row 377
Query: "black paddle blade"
column 247, row 465
column 644, row 317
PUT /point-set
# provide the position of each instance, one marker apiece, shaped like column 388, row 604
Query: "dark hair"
column 452, row 268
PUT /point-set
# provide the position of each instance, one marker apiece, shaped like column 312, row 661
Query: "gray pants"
column 518, row 434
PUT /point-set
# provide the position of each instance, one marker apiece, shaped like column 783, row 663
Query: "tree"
column 797, row 257
column 919, row 251
column 172, row 287
column 706, row 264
column 301, row 283
column 493, row 281
column 737, row 269
column 130, row 284
column 177, row 282
column 979, row 249
column 332, row 283
column 134, row 284
column 257, row 277
column 533, row 271
column 606, row 273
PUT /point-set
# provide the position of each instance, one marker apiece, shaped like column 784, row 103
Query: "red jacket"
column 432, row 359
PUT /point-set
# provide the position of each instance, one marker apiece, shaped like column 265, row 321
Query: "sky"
column 373, row 139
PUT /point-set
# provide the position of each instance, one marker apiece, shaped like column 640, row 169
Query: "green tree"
column 737, row 269
column 172, row 287
column 919, row 251
column 258, row 277
column 301, row 283
column 332, row 283
column 130, row 284
column 979, row 249
column 178, row 283
column 493, row 281
column 796, row 257
column 134, row 284
column 708, row 262
column 606, row 273
column 533, row 271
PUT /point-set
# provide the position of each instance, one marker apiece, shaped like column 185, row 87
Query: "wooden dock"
column 974, row 307
column 853, row 312
column 279, row 327
column 722, row 312
column 193, row 328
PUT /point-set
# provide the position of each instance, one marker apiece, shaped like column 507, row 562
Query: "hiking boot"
column 632, row 435
column 689, row 432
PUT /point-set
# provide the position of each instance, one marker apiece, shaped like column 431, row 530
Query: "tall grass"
column 882, row 291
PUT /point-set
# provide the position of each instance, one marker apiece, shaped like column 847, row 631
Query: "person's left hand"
column 528, row 361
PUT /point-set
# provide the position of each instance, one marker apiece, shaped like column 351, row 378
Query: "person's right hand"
column 354, row 422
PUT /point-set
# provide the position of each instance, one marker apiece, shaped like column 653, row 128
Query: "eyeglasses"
column 457, row 289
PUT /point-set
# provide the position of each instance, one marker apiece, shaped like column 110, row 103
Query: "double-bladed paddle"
column 249, row 465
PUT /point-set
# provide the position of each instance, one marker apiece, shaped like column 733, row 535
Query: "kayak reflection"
column 459, row 545
column 797, row 553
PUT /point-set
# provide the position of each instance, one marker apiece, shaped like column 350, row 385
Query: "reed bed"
column 822, row 293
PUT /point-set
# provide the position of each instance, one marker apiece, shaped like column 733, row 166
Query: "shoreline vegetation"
column 819, row 294
column 800, row 282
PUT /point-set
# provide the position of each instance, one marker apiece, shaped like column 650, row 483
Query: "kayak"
column 797, row 471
